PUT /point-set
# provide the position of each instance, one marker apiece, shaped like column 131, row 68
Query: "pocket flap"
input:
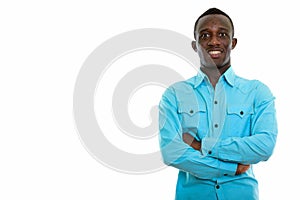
column 191, row 109
column 240, row 110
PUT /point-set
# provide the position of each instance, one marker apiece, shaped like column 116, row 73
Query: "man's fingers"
column 242, row 169
column 187, row 138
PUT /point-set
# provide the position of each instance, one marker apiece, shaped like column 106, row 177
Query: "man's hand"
column 241, row 169
column 190, row 140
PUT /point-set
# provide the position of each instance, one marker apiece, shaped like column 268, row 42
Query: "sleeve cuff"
column 207, row 146
column 228, row 168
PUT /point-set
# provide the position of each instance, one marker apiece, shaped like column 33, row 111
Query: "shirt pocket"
column 238, row 121
column 193, row 118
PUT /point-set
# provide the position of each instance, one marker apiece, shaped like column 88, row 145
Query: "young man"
column 216, row 125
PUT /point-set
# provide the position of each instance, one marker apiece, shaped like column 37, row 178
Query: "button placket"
column 217, row 102
column 215, row 118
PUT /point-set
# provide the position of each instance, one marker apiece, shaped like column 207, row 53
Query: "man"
column 216, row 125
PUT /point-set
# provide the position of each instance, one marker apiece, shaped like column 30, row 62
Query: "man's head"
column 214, row 39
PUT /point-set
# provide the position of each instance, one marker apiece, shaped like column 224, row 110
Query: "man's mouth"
column 215, row 53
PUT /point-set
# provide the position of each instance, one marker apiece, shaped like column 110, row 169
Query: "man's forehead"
column 214, row 19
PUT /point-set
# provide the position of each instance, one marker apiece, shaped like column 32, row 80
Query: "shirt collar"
column 229, row 76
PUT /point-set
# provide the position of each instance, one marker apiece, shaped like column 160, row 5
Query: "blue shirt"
column 235, row 122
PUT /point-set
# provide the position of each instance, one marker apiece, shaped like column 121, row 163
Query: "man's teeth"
column 214, row 52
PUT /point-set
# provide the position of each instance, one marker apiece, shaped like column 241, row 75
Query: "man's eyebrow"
column 224, row 29
column 202, row 30
column 207, row 29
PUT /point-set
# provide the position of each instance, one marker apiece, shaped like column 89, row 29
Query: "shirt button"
column 241, row 112
column 216, row 125
column 216, row 102
column 191, row 111
column 218, row 186
column 209, row 152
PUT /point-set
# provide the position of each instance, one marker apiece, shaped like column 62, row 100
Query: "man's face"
column 214, row 41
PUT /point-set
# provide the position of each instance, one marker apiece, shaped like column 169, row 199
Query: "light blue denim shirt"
column 235, row 122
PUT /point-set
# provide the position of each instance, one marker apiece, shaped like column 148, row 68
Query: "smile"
column 214, row 52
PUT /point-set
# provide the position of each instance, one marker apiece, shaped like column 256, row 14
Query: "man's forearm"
column 190, row 140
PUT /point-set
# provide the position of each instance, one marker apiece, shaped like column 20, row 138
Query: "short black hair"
column 213, row 11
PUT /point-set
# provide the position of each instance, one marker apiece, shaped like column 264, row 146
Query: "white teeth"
column 214, row 52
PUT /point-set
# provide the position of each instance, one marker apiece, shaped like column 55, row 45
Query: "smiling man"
column 216, row 125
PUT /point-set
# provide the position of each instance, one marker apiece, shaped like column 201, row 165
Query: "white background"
column 43, row 45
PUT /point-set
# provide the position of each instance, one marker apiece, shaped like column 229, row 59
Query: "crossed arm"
column 176, row 153
column 190, row 140
column 231, row 156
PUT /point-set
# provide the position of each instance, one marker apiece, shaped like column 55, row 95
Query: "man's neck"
column 214, row 74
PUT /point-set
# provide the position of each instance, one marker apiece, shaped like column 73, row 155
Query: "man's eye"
column 204, row 36
column 222, row 34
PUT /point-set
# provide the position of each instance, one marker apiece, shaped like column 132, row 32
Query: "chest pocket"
column 193, row 117
column 238, row 120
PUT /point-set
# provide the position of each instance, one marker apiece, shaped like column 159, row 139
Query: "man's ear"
column 194, row 46
column 234, row 42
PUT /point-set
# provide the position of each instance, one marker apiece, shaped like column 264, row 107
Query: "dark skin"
column 213, row 42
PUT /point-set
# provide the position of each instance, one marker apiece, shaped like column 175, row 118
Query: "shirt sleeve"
column 178, row 154
column 260, row 144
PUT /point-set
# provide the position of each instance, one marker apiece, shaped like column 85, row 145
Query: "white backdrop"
column 43, row 45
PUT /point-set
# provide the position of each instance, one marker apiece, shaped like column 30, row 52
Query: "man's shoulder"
column 248, row 85
column 181, row 88
column 183, row 85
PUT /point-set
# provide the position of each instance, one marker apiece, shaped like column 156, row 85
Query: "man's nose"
column 214, row 41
